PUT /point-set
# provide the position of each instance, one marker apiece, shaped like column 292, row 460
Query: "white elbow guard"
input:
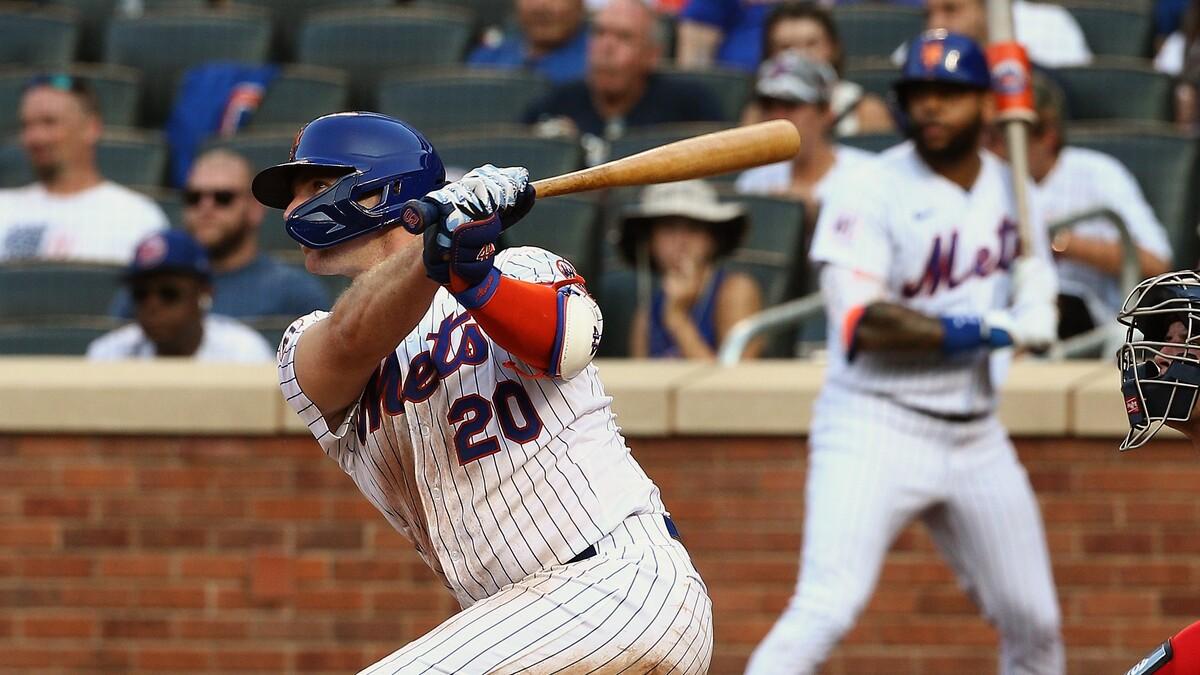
column 580, row 325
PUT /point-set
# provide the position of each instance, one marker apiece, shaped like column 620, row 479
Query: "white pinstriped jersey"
column 491, row 474
column 940, row 250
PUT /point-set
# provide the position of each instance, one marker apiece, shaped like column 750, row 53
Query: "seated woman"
column 681, row 232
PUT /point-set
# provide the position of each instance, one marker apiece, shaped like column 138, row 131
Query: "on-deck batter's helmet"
column 377, row 153
column 1160, row 360
column 941, row 56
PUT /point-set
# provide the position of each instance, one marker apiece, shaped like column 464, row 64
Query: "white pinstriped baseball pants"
column 637, row 606
column 873, row 467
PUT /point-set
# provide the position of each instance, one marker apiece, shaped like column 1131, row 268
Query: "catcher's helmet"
column 1160, row 360
column 377, row 153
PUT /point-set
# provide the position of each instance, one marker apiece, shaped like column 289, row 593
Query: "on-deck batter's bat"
column 706, row 155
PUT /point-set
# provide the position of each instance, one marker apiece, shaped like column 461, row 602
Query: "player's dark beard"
column 48, row 172
column 228, row 245
column 960, row 145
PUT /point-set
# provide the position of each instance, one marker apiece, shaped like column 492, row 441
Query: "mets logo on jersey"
column 940, row 267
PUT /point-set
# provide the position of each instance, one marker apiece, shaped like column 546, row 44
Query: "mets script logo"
column 940, row 268
column 1132, row 406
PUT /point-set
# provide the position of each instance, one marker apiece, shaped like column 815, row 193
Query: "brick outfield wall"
column 152, row 555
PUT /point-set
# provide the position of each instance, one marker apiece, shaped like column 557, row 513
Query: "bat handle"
column 419, row 214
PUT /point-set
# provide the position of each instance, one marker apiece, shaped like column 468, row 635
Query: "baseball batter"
column 454, row 385
column 922, row 280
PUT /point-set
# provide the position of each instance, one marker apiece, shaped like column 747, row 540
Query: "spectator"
column 1072, row 180
column 552, row 41
column 621, row 90
column 682, row 231
column 169, row 280
column 222, row 215
column 810, row 30
column 794, row 88
column 1179, row 56
column 1052, row 37
column 725, row 32
column 70, row 212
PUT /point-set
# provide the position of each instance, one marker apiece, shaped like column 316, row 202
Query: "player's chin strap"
column 1154, row 397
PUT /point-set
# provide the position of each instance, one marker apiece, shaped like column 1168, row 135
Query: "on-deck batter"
column 468, row 412
column 921, row 277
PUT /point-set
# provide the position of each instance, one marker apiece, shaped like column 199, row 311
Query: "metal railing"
column 792, row 312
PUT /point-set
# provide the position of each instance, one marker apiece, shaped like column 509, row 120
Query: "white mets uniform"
column 899, row 436
column 501, row 481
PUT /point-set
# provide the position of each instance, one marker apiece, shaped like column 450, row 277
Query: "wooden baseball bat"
column 705, row 155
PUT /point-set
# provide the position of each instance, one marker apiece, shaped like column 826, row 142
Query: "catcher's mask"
column 1160, row 360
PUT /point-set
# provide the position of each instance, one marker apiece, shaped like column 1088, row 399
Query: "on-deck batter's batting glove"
column 1032, row 321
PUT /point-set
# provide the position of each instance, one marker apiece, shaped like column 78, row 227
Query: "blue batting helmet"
column 941, row 56
column 376, row 153
column 1160, row 360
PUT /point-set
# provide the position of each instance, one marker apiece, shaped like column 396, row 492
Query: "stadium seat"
column 441, row 99
column 265, row 146
column 359, row 41
column 1116, row 89
column 567, row 226
column 776, row 234
column 617, row 294
column 45, row 291
column 875, row 30
column 486, row 13
column 301, row 93
column 643, row 138
column 731, row 88
column 508, row 146
column 116, row 87
column 165, row 44
column 876, row 76
column 133, row 157
column 54, row 340
column 1165, row 164
column 94, row 15
column 870, row 142
column 37, row 36
column 773, row 279
column 287, row 16
column 1114, row 28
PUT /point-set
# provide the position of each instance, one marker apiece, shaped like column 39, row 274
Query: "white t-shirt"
column 937, row 249
column 776, row 178
column 1051, row 36
column 225, row 340
column 100, row 224
column 1082, row 180
column 1170, row 56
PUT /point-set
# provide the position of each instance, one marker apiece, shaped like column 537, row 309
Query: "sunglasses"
column 60, row 81
column 219, row 197
column 167, row 294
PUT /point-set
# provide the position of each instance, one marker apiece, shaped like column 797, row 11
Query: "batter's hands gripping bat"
column 697, row 157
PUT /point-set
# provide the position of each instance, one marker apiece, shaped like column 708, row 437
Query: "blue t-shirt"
column 265, row 287
column 741, row 24
column 703, row 314
column 568, row 62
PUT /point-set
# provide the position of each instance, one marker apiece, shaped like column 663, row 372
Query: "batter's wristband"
column 961, row 334
column 478, row 295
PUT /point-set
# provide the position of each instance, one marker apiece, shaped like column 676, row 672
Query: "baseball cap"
column 793, row 77
column 692, row 199
column 169, row 251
